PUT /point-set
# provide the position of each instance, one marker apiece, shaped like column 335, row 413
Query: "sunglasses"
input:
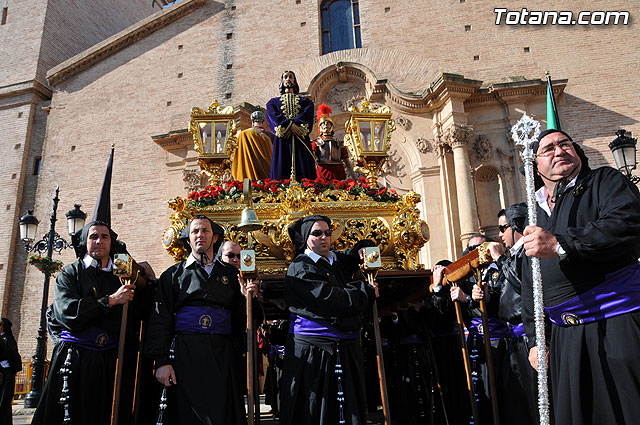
column 503, row 227
column 318, row 233
column 232, row 255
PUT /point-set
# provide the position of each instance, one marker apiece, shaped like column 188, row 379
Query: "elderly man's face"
column 318, row 241
column 557, row 158
column 99, row 242
column 231, row 254
column 288, row 79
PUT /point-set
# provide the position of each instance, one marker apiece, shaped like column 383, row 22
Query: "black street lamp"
column 52, row 241
column 623, row 149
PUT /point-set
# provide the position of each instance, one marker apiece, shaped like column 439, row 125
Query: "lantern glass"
column 379, row 135
column 220, row 136
column 74, row 224
column 365, row 135
column 205, row 136
column 28, row 228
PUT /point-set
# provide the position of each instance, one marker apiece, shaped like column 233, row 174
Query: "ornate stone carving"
column 394, row 166
column 457, row 135
column 424, row 145
column 192, row 179
column 482, row 148
column 345, row 95
column 404, row 122
column 507, row 169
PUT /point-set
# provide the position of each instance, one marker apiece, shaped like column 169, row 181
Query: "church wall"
column 150, row 87
column 72, row 26
column 20, row 40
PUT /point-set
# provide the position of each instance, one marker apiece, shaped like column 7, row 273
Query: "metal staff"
column 371, row 265
column 525, row 132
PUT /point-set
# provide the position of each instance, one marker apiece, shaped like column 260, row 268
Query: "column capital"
column 457, row 135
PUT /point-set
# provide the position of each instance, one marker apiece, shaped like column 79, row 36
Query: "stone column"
column 458, row 138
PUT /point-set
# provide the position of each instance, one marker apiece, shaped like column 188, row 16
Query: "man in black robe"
column 588, row 240
column 323, row 381
column 516, row 378
column 10, row 364
column 199, row 309
column 87, row 308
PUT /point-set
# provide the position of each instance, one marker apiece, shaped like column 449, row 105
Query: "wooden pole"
column 250, row 356
column 466, row 359
column 382, row 378
column 115, row 405
column 487, row 346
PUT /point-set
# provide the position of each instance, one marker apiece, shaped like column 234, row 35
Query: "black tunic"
column 8, row 353
column 309, row 383
column 81, row 300
column 594, row 369
column 208, row 389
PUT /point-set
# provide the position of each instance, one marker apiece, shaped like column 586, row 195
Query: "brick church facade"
column 124, row 73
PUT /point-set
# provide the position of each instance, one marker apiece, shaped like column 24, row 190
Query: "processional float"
column 359, row 209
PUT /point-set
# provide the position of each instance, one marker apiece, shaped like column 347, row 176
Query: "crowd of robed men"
column 587, row 238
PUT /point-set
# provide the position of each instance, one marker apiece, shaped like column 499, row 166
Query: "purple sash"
column 498, row 329
column 517, row 331
column 92, row 338
column 302, row 326
column 204, row 320
column 618, row 294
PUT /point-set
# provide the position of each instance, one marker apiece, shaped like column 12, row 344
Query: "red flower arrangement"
column 232, row 190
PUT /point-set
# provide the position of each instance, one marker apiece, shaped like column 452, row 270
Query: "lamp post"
column 623, row 149
column 49, row 243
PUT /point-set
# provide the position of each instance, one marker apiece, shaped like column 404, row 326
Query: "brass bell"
column 249, row 220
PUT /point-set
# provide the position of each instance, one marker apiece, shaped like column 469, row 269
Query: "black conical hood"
column 102, row 209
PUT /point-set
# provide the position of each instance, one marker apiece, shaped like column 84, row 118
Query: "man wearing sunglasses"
column 323, row 377
column 230, row 253
column 588, row 240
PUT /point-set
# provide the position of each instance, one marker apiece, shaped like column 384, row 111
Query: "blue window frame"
column 340, row 24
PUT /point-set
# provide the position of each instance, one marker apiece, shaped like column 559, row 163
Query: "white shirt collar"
column 516, row 246
column 192, row 259
column 315, row 257
column 541, row 195
column 89, row 261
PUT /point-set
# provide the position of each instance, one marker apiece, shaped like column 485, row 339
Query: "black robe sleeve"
column 81, row 299
column 160, row 330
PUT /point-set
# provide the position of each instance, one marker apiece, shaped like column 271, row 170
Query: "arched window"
column 340, row 25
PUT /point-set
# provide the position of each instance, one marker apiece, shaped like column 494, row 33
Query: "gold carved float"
column 358, row 209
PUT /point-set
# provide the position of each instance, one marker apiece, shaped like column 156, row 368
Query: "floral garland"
column 232, row 190
column 45, row 264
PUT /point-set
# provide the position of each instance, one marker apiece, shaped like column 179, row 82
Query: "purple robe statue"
column 282, row 111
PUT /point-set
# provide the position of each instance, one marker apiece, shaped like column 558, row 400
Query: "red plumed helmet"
column 323, row 113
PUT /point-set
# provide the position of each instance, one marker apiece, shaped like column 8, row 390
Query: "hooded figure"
column 200, row 313
column 86, row 315
column 323, row 356
column 10, row 364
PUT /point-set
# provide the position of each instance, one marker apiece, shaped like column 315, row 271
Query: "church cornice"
column 121, row 40
column 516, row 89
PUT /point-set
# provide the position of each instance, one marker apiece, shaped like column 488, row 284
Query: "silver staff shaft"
column 524, row 133
column 538, row 305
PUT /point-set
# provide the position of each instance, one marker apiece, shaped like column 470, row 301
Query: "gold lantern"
column 368, row 137
column 214, row 138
